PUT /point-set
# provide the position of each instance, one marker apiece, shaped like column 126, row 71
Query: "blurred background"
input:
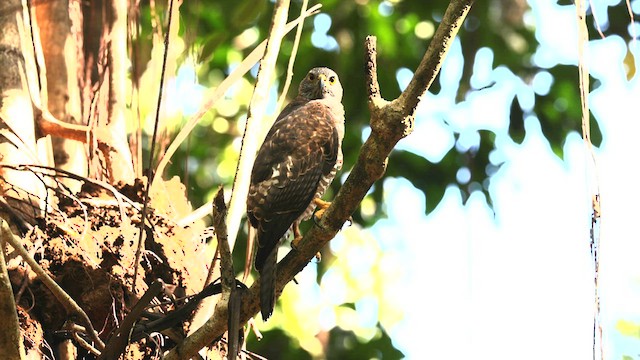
column 476, row 243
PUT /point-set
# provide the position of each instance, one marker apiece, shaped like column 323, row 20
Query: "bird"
column 297, row 161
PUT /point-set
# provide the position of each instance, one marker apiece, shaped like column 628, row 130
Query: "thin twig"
column 436, row 52
column 67, row 302
column 239, row 71
column 118, row 341
column 120, row 198
column 199, row 339
column 292, row 58
column 257, row 122
column 150, row 172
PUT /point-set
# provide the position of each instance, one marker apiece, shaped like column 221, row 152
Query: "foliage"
column 214, row 37
column 403, row 29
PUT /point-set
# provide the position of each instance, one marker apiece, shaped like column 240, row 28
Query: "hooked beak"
column 323, row 82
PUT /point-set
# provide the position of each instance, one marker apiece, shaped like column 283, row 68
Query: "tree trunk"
column 58, row 23
column 121, row 165
column 17, row 141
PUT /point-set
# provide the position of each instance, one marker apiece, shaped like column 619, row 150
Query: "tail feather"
column 268, row 284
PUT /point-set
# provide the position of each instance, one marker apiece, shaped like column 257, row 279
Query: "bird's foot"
column 296, row 241
column 297, row 235
column 322, row 207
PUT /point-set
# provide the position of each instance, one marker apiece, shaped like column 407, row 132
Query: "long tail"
column 268, row 284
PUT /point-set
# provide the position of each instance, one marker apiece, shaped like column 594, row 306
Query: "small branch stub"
column 371, row 71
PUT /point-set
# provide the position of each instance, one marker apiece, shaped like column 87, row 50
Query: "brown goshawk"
column 296, row 163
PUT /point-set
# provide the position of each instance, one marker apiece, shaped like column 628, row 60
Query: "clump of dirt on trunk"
column 87, row 242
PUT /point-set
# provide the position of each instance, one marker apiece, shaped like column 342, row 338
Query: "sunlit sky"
column 468, row 281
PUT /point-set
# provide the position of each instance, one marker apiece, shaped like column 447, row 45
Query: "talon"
column 321, row 203
column 318, row 214
column 316, row 218
column 322, row 207
column 295, row 242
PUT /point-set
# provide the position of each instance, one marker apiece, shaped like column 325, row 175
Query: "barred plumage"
column 296, row 163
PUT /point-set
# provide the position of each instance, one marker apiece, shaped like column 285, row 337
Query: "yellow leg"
column 297, row 236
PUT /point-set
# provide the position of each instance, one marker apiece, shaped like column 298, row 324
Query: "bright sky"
column 471, row 285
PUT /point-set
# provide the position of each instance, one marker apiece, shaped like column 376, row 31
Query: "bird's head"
column 321, row 83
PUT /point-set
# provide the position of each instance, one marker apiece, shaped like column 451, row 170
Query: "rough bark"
column 103, row 76
column 120, row 162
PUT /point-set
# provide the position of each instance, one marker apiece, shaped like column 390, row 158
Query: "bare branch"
column 219, row 321
column 238, row 73
column 10, row 338
column 389, row 122
column 256, row 121
column 371, row 69
column 226, row 261
column 438, row 48
column 292, row 58
column 67, row 302
column 231, row 297
column 120, row 338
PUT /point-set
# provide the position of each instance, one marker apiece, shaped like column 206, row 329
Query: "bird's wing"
column 299, row 150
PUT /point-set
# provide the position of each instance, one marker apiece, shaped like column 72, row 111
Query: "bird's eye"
column 312, row 77
column 332, row 79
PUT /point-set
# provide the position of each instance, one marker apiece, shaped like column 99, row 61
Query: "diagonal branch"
column 256, row 121
column 434, row 56
column 119, row 340
column 242, row 69
column 390, row 122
